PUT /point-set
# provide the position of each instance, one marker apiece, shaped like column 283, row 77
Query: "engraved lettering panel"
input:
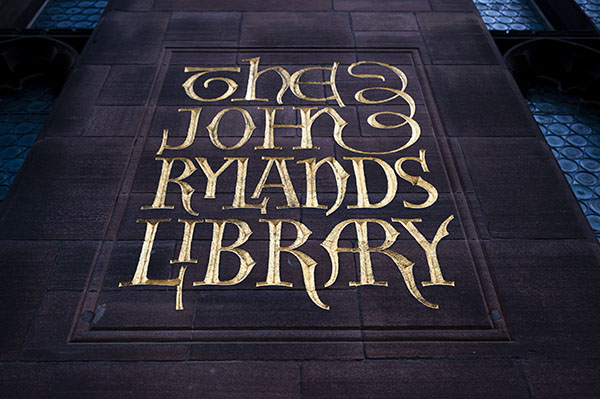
column 277, row 199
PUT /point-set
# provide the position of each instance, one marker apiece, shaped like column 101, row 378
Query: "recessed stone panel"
column 213, row 245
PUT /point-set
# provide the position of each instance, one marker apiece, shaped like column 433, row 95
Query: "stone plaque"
column 274, row 195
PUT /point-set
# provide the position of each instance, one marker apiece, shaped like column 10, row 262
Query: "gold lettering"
column 399, row 93
column 362, row 196
column 430, row 248
column 213, row 128
column 396, row 71
column 366, row 268
column 295, row 84
column 191, row 133
column 186, row 243
column 415, row 129
column 179, row 295
column 239, row 198
column 331, row 245
column 415, row 134
column 284, row 176
column 372, row 119
column 165, row 179
column 188, row 85
column 141, row 272
column 253, row 76
column 341, row 179
column 417, row 180
column 212, row 176
column 270, row 125
column 307, row 263
column 307, row 119
column 216, row 248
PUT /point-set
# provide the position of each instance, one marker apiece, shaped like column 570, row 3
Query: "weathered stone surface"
column 25, row 380
column 457, row 38
column 24, row 274
column 127, row 85
column 133, row 5
column 49, row 337
column 70, row 271
column 151, row 380
column 241, row 5
column 478, row 101
column 541, row 286
column 296, row 30
column 388, row 39
column 562, row 378
column 71, row 112
column 205, row 27
column 70, row 189
column 114, row 121
column 386, row 379
column 278, row 351
column 384, row 5
column 128, row 38
column 383, row 21
column 538, row 209
column 452, row 5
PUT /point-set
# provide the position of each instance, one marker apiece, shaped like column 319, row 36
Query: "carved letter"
column 253, row 76
column 270, row 125
column 246, row 261
column 185, row 253
column 165, row 179
column 366, row 268
column 399, row 93
column 286, row 182
column 307, row 263
column 239, row 198
column 213, row 128
column 307, row 121
column 341, row 179
column 212, row 176
column 141, row 272
column 188, row 85
column 417, row 180
column 435, row 273
column 306, row 126
column 372, row 119
column 295, row 84
column 362, row 196
column 191, row 133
